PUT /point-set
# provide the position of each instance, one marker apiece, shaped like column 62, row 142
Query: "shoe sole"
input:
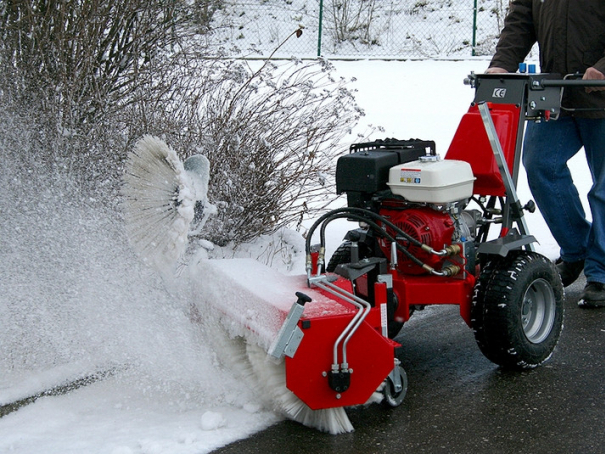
column 591, row 304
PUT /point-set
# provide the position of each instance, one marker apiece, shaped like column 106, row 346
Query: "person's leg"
column 593, row 136
column 547, row 148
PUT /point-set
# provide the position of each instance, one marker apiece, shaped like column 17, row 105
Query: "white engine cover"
column 432, row 180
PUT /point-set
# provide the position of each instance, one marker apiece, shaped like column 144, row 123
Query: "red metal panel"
column 471, row 144
column 369, row 354
column 427, row 290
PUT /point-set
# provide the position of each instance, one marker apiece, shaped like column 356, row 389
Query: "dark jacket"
column 571, row 36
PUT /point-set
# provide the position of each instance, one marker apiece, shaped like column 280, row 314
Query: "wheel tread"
column 496, row 310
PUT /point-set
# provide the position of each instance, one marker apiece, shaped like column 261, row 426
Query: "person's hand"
column 593, row 74
column 496, row 70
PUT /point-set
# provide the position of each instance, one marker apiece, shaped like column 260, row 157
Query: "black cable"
column 363, row 212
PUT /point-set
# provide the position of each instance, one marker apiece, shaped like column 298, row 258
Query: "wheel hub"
column 538, row 311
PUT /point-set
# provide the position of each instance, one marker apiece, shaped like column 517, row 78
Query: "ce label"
column 499, row 93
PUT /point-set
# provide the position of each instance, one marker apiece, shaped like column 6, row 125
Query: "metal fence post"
column 474, row 43
column 321, row 15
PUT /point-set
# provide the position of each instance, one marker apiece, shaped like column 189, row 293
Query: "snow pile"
column 212, row 420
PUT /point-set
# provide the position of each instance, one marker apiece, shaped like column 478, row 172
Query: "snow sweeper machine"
column 420, row 243
column 432, row 231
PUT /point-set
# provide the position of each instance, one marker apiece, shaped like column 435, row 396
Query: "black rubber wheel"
column 478, row 304
column 517, row 311
column 393, row 397
column 341, row 255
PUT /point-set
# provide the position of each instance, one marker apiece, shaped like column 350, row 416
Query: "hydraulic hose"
column 361, row 214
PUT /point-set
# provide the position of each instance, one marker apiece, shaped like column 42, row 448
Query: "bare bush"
column 271, row 134
column 80, row 56
column 93, row 77
column 279, row 138
column 352, row 20
column 73, row 67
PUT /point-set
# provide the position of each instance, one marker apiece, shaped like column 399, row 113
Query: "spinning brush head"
column 158, row 201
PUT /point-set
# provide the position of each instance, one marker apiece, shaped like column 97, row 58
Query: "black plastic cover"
column 366, row 168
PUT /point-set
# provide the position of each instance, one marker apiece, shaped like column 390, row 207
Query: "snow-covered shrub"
column 270, row 130
column 94, row 77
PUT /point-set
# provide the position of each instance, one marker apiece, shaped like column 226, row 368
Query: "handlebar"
column 539, row 81
column 540, row 94
column 567, row 83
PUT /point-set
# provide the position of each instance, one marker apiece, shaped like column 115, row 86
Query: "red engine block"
column 431, row 227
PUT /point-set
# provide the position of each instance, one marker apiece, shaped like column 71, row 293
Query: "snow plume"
column 77, row 306
column 75, row 302
column 73, row 293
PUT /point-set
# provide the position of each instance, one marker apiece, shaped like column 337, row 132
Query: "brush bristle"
column 158, row 201
column 272, row 378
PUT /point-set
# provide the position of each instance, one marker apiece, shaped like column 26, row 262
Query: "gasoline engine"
column 420, row 201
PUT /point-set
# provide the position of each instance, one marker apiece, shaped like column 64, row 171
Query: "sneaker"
column 569, row 271
column 593, row 296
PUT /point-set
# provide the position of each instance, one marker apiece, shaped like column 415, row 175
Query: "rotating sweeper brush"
column 161, row 198
column 323, row 341
column 160, row 195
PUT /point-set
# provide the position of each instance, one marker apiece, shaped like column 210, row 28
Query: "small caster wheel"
column 395, row 387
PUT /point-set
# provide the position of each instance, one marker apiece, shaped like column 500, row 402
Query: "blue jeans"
column 547, row 148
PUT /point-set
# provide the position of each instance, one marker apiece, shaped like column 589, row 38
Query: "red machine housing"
column 471, row 144
column 412, row 285
column 370, row 353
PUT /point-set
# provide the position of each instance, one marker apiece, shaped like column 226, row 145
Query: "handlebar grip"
column 571, row 80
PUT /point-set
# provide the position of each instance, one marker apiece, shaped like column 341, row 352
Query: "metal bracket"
column 289, row 336
column 352, row 271
column 395, row 377
column 503, row 245
column 509, row 185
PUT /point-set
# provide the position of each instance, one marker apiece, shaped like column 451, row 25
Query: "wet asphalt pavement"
column 460, row 402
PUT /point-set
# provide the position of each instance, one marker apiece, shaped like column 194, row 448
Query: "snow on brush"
column 77, row 304
column 159, row 201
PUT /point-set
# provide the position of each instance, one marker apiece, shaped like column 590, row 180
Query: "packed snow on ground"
column 75, row 302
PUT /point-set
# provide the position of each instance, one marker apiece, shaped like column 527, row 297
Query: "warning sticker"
column 410, row 176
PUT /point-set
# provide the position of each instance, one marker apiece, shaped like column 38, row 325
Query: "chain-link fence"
column 362, row 28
